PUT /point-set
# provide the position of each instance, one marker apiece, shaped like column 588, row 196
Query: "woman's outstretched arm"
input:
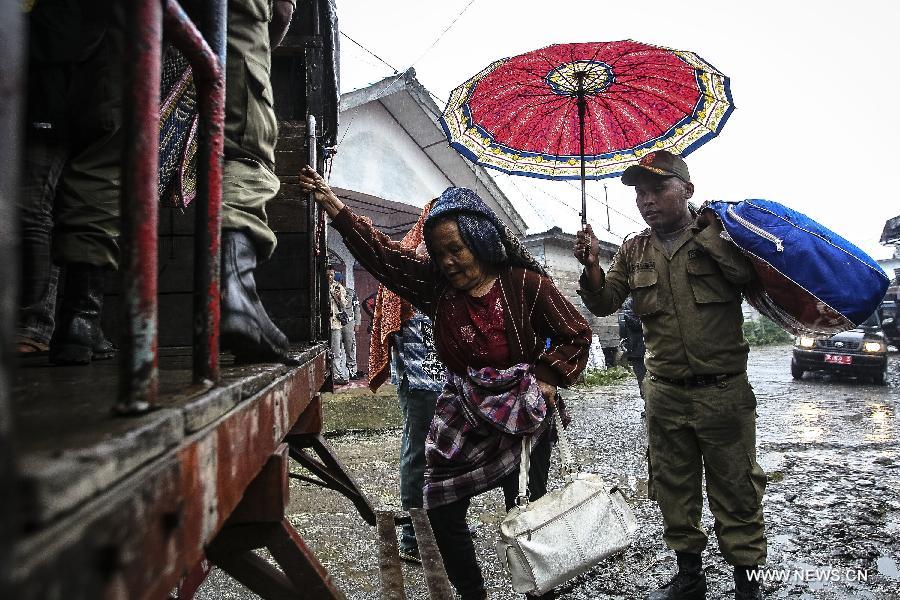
column 401, row 270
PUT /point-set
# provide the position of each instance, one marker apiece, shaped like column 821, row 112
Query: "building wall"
column 377, row 157
column 564, row 268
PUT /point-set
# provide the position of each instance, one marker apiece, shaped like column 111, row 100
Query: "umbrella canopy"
column 586, row 110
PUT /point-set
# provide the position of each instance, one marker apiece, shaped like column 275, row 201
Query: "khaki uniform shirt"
column 690, row 304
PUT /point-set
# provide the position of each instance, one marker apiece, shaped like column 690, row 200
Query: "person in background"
column 340, row 320
column 686, row 281
column 356, row 311
column 72, row 153
column 86, row 218
column 368, row 306
column 634, row 341
column 407, row 334
column 351, row 320
column 493, row 308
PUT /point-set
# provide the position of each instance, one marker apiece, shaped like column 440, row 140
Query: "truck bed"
column 132, row 501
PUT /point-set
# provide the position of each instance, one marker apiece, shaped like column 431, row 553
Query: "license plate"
column 839, row 359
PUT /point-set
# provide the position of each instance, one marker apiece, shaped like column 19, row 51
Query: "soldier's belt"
column 694, row 380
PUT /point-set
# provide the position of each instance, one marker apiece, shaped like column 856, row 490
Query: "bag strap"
column 524, row 465
column 566, row 468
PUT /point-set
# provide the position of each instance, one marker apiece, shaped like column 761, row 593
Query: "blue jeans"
column 418, row 410
column 45, row 157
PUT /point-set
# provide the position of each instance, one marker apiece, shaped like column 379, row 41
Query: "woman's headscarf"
column 489, row 239
column 391, row 311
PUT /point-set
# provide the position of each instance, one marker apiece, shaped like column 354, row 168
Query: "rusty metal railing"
column 207, row 59
column 139, row 374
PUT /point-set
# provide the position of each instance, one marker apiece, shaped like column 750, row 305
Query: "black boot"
column 246, row 330
column 688, row 584
column 78, row 338
column 745, row 587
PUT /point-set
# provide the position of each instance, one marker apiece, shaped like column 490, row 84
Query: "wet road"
column 832, row 505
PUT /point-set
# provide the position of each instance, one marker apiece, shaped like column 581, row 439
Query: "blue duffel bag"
column 810, row 280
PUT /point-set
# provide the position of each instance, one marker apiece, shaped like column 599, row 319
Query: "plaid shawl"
column 475, row 438
column 391, row 311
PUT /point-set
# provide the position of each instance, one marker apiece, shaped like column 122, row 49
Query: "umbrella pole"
column 582, row 106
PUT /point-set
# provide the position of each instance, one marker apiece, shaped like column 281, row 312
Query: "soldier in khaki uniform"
column 686, row 282
column 73, row 172
column 249, row 180
column 87, row 217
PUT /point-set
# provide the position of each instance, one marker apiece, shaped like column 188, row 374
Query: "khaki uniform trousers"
column 709, row 429
column 251, row 129
column 87, row 216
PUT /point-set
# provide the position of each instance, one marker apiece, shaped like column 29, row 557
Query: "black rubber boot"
column 745, row 587
column 78, row 338
column 688, row 584
column 246, row 329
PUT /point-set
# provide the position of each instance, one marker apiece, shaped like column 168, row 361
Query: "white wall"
column 377, row 157
column 566, row 271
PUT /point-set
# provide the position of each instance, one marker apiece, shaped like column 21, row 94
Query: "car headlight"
column 873, row 347
column 806, row 342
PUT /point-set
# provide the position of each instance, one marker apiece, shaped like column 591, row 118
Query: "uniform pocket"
column 707, row 282
column 757, row 478
column 644, row 289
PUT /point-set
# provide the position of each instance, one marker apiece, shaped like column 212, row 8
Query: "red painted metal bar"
column 139, row 374
column 207, row 59
column 12, row 94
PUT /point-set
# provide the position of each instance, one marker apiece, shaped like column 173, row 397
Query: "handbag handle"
column 566, row 468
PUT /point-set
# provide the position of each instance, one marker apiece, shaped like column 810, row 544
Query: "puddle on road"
column 887, row 567
column 881, row 423
column 808, row 424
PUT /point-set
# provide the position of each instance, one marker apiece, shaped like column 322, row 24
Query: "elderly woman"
column 508, row 338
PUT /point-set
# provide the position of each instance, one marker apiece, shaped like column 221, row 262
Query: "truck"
column 128, row 478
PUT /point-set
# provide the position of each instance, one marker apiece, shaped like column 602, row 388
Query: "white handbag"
column 565, row 532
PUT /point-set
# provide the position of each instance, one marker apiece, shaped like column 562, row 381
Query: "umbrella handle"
column 582, row 108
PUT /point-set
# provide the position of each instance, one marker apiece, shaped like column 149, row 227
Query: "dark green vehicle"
column 859, row 352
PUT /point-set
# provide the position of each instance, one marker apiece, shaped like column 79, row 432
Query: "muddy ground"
column 829, row 446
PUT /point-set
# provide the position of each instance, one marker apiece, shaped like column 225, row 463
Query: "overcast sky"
column 815, row 85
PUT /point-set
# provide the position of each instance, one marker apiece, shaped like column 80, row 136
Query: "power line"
column 606, row 204
column 415, row 62
column 446, row 29
column 384, row 62
column 565, row 204
column 523, row 194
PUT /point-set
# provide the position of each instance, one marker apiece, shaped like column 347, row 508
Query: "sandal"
column 26, row 346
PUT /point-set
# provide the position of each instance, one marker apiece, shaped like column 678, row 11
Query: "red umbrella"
column 586, row 110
